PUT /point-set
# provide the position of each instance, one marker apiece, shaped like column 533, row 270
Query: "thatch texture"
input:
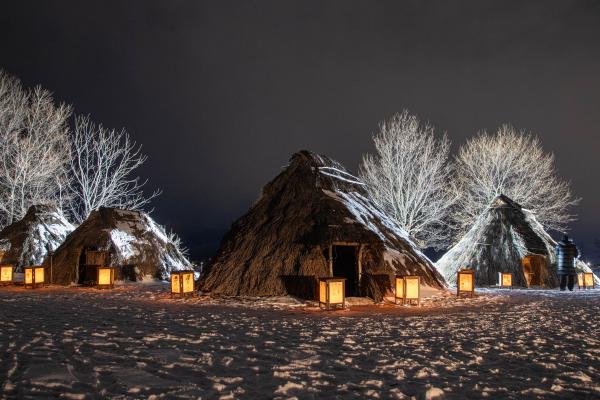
column 27, row 241
column 498, row 241
column 131, row 238
column 312, row 204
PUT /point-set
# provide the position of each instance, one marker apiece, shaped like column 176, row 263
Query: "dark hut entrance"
column 89, row 261
column 533, row 267
column 81, row 268
column 128, row 273
column 345, row 265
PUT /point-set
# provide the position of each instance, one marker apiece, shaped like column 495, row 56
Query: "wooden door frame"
column 539, row 272
column 359, row 253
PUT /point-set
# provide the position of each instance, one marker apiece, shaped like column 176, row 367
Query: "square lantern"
column 6, row 274
column 585, row 280
column 465, row 283
column 332, row 293
column 399, row 286
column 588, row 280
column 408, row 289
column 412, row 289
column 105, row 277
column 505, row 279
column 34, row 276
column 182, row 283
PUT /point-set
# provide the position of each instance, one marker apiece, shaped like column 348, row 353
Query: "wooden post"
column 330, row 260
column 359, row 262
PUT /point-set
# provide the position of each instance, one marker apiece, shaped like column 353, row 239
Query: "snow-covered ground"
column 136, row 342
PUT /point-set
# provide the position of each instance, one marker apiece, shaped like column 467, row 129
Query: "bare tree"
column 13, row 104
column 102, row 170
column 409, row 177
column 512, row 163
column 34, row 148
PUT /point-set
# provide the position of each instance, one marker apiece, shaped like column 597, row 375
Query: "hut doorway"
column 81, row 268
column 128, row 273
column 533, row 267
column 345, row 265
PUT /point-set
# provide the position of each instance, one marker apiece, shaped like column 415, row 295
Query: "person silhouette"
column 566, row 253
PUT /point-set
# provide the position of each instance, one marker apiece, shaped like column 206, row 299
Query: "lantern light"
column 332, row 293
column 505, row 279
column 399, row 292
column 105, row 277
column 412, row 289
column 585, row 280
column 182, row 283
column 6, row 274
column 408, row 289
column 588, row 280
column 465, row 283
column 34, row 276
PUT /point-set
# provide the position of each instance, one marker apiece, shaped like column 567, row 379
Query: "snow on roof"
column 135, row 229
column 28, row 240
column 124, row 243
column 142, row 223
column 365, row 212
column 130, row 232
column 339, row 174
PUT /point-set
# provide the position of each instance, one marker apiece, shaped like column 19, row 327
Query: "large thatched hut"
column 505, row 238
column 27, row 241
column 315, row 220
column 128, row 240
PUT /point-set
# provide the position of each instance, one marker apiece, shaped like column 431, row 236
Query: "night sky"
column 221, row 93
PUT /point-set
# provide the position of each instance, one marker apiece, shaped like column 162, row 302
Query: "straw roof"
column 131, row 238
column 498, row 241
column 285, row 236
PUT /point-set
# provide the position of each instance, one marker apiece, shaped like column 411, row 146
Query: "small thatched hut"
column 505, row 238
column 128, row 240
column 315, row 220
column 27, row 241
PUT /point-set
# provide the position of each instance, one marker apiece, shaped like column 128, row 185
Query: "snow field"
column 136, row 342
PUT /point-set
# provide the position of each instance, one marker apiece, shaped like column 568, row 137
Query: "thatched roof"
column 498, row 241
column 27, row 241
column 131, row 238
column 312, row 204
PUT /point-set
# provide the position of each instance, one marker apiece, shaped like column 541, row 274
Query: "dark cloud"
column 222, row 93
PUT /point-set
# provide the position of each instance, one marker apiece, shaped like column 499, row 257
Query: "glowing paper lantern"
column 585, row 280
column 182, row 283
column 399, row 292
column 332, row 293
column 106, row 277
column 34, row 276
column 412, row 289
column 465, row 283
column 408, row 289
column 504, row 279
column 6, row 274
column 588, row 280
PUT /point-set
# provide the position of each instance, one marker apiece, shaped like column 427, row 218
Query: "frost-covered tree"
column 34, row 148
column 409, row 176
column 512, row 163
column 102, row 170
